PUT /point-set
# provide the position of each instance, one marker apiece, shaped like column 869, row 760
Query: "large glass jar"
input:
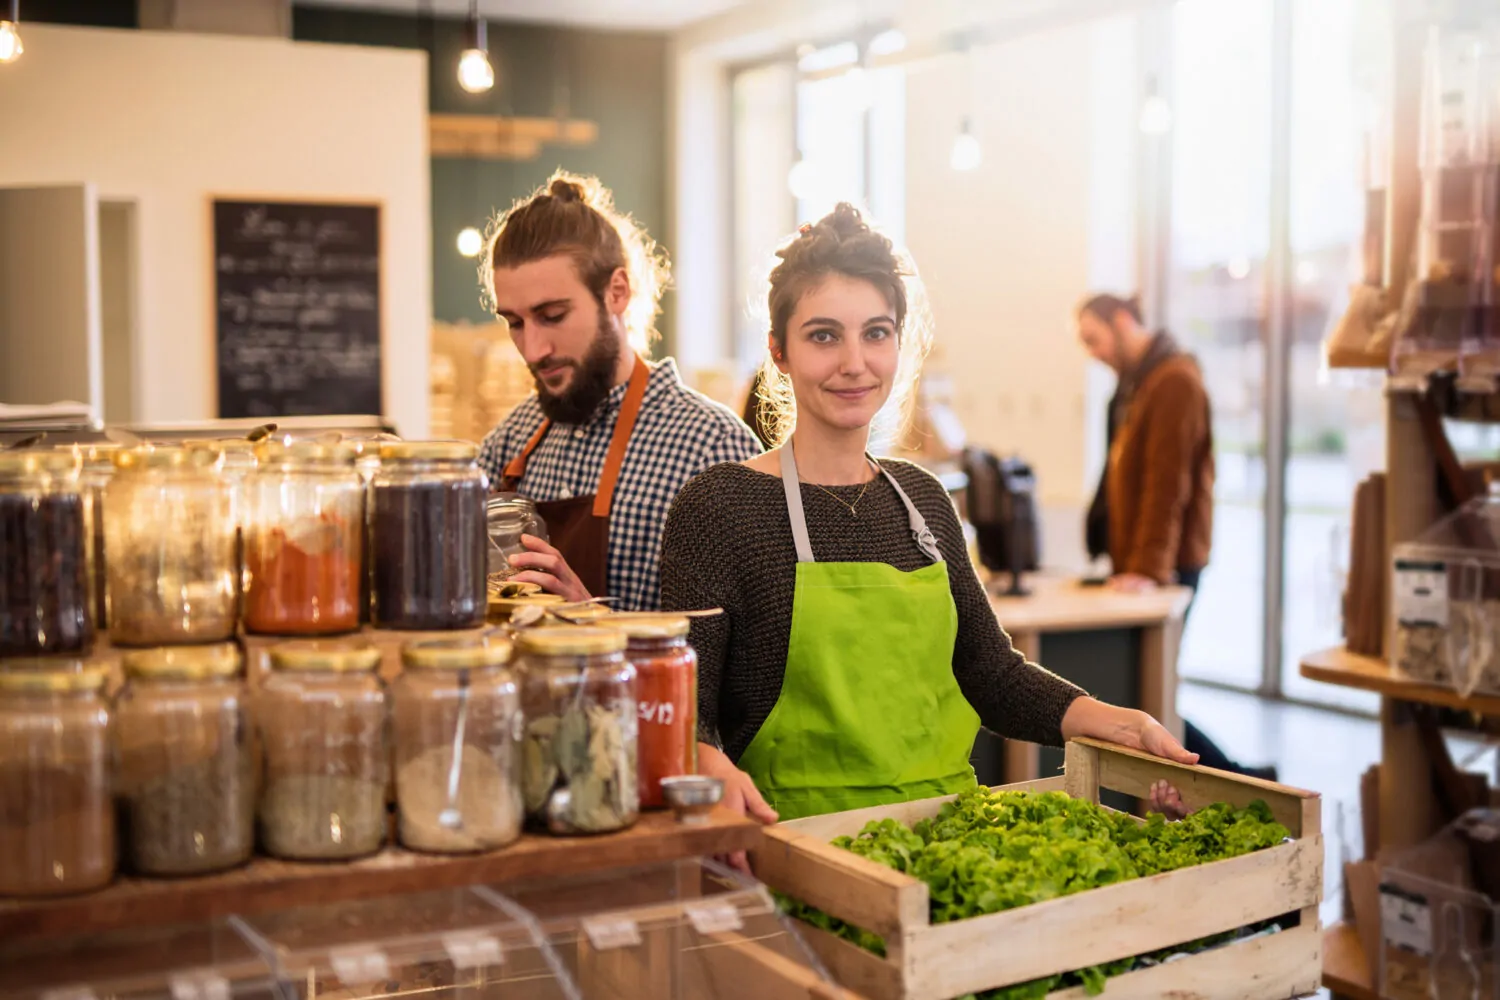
column 579, row 756
column 666, row 681
column 97, row 467
column 57, row 823
column 304, row 540
column 427, row 536
column 45, row 602
column 321, row 720
column 170, row 533
column 508, row 516
column 457, row 701
column 184, row 770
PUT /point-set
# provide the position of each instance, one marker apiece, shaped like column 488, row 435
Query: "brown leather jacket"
column 1161, row 475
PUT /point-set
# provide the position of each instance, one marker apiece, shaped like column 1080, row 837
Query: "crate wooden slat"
column 935, row 961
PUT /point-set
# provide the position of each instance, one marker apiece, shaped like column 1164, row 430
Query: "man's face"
column 1100, row 339
column 568, row 341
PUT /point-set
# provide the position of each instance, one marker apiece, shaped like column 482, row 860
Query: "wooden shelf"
column 1345, row 971
column 1339, row 666
column 267, row 884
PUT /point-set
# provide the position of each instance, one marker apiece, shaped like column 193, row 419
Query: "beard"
column 593, row 378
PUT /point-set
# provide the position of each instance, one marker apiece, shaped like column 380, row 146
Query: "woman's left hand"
column 1131, row 728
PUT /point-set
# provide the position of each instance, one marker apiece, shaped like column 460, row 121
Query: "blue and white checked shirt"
column 678, row 434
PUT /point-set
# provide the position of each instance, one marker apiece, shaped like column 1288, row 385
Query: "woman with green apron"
column 858, row 654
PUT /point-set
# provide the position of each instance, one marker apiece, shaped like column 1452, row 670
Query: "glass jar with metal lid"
column 304, row 540
column 508, row 516
column 57, row 822
column 457, row 720
column 45, row 602
column 578, row 694
column 184, row 769
column 170, row 532
column 666, row 678
column 321, row 722
column 427, row 536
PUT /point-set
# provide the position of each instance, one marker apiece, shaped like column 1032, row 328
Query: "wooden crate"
column 928, row 961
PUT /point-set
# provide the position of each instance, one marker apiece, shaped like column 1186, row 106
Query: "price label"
column 473, row 951
column 198, row 986
column 605, row 933
column 714, row 917
column 360, row 965
column 1421, row 593
column 1405, row 920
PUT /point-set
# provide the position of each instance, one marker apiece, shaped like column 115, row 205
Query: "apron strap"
column 516, row 470
column 624, row 424
column 793, row 489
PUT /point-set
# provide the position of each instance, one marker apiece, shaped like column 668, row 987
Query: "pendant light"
column 967, row 154
column 10, row 35
column 475, row 74
column 1156, row 113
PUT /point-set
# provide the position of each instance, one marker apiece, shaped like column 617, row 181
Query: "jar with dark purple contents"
column 427, row 536
column 46, row 605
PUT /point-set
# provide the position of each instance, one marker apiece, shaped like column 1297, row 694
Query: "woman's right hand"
column 740, row 794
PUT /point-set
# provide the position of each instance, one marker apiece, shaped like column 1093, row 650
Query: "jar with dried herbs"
column 304, row 540
column 170, row 532
column 57, row 823
column 456, row 701
column 427, row 533
column 45, row 603
column 578, row 694
column 321, row 722
column 666, row 678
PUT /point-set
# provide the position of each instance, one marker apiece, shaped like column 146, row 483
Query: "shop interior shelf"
column 1339, row 666
column 1345, row 972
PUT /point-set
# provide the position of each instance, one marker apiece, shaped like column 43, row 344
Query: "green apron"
column 869, row 712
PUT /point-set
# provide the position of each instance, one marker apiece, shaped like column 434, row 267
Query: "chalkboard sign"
column 297, row 301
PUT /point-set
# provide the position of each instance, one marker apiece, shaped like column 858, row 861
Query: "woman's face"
column 841, row 353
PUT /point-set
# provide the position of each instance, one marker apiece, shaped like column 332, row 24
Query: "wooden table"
column 1345, row 971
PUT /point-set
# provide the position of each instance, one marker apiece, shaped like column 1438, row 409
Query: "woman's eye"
column 878, row 333
column 823, row 336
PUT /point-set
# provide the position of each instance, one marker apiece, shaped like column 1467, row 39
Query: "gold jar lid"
column 38, row 463
column 324, row 655
column 299, row 453
column 467, row 653
column 53, row 681
column 197, row 456
column 428, row 451
column 571, row 641
column 94, row 454
column 648, row 626
column 218, row 659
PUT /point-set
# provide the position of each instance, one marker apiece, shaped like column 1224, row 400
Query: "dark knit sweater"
column 728, row 544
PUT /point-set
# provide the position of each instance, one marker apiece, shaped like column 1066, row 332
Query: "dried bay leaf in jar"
column 185, row 777
column 46, row 605
column 666, row 678
column 457, row 694
column 321, row 722
column 57, row 821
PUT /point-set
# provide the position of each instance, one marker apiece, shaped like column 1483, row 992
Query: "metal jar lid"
column 218, row 659
column 428, row 451
column 53, row 681
column 466, row 653
column 324, row 655
column 648, row 626
column 571, row 641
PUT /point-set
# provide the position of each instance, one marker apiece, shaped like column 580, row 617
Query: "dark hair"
column 1104, row 306
column 575, row 215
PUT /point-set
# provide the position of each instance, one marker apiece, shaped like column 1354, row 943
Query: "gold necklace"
column 846, row 503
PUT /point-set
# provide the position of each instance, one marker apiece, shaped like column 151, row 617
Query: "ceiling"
column 650, row 15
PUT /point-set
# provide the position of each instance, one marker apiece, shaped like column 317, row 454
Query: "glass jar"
column 578, row 694
column 184, row 772
column 666, row 680
column 57, row 823
column 321, row 722
column 45, row 602
column 96, row 469
column 508, row 516
column 427, row 536
column 169, row 530
column 457, row 694
column 304, row 540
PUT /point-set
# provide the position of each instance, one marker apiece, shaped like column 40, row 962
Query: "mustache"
column 550, row 366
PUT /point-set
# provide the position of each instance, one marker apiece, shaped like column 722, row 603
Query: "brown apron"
column 579, row 528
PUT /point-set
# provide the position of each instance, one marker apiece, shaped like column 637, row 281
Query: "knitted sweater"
column 728, row 543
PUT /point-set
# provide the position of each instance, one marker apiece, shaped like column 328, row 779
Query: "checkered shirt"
column 678, row 434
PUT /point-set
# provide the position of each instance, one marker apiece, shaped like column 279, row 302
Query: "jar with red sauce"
column 666, row 670
column 304, row 540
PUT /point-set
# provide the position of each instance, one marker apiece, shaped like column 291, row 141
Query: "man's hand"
column 1132, row 583
column 545, row 566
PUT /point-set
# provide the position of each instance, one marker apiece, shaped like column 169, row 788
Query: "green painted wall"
column 616, row 79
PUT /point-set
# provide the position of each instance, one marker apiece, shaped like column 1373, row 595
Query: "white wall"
column 171, row 119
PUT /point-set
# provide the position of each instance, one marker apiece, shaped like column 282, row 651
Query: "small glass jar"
column 457, row 693
column 578, row 694
column 304, row 540
column 666, row 679
column 508, row 516
column 427, row 536
column 184, row 770
column 45, row 603
column 57, row 822
column 321, row 722
column 170, row 532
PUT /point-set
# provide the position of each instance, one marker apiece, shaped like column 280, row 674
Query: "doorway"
column 118, row 276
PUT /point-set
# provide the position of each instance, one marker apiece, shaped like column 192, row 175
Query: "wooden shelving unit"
column 1346, row 669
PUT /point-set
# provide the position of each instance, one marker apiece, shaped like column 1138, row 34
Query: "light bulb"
column 1156, row 115
column 1307, row 272
column 1239, row 268
column 803, row 180
column 10, row 42
column 475, row 74
column 967, row 154
column 470, row 242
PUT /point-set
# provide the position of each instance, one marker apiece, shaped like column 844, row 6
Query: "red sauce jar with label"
column 667, row 699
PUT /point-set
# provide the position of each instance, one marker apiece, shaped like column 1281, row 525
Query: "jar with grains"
column 97, row 468
column 578, row 694
column 321, row 722
column 169, row 530
column 184, row 768
column 459, row 694
column 303, row 540
column 239, row 463
column 666, row 679
column 45, row 602
column 427, row 536
column 57, row 821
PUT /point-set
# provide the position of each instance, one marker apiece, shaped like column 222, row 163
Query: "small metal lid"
column 218, row 659
column 39, row 463
column 571, row 641
column 466, row 653
column 300, row 453
column 325, row 655
column 53, row 681
column 428, row 451
column 648, row 626
column 208, row 457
